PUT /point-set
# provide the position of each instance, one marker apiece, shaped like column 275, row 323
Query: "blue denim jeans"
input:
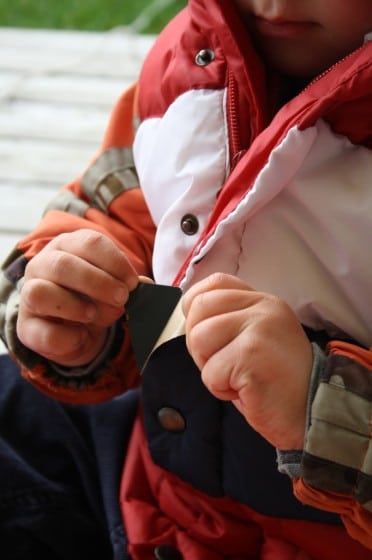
column 60, row 470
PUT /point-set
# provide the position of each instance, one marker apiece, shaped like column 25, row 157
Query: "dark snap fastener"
column 170, row 419
column 189, row 224
column 205, row 57
column 167, row 552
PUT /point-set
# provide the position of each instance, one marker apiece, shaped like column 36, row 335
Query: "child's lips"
column 282, row 28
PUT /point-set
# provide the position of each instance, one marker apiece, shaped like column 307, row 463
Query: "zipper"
column 335, row 65
column 233, row 121
column 235, row 146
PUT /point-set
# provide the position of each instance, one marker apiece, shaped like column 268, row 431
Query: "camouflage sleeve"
column 336, row 464
column 338, row 451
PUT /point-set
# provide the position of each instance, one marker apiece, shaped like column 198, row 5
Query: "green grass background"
column 92, row 15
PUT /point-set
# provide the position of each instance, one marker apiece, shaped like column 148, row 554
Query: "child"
column 249, row 132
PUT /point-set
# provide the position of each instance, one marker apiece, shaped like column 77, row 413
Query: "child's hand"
column 251, row 350
column 73, row 290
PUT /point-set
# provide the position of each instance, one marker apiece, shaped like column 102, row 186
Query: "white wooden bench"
column 56, row 92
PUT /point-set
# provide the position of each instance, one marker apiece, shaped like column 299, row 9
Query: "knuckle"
column 93, row 240
column 197, row 337
column 59, row 264
column 57, row 240
column 31, row 267
column 30, row 293
column 199, row 301
column 216, row 280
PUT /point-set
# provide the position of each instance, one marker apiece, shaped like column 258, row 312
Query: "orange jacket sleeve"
column 107, row 198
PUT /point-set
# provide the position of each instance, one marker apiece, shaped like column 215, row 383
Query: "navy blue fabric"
column 60, row 465
column 217, row 452
column 60, row 470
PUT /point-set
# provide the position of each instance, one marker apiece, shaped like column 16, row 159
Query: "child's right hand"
column 73, row 291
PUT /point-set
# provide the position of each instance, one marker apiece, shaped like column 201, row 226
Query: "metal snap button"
column 205, row 57
column 170, row 419
column 189, row 224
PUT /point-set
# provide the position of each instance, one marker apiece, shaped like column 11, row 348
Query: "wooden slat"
column 9, row 82
column 8, row 241
column 54, row 122
column 12, row 204
column 56, row 92
column 115, row 53
column 42, row 162
column 85, row 91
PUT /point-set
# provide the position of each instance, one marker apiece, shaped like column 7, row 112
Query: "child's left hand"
column 252, row 350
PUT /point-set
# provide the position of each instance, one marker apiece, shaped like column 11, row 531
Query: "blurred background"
column 63, row 64
column 147, row 16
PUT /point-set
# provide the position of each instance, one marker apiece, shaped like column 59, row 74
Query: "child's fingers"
column 98, row 250
column 46, row 299
column 73, row 273
column 217, row 281
column 64, row 343
column 209, row 336
column 220, row 302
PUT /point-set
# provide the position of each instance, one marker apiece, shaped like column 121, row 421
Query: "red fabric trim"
column 158, row 508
